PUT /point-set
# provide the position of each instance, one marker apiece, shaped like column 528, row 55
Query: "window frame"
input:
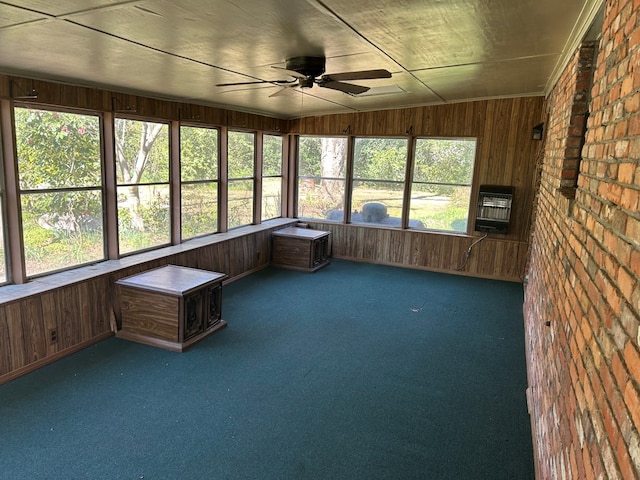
column 169, row 183
column 470, row 185
column 402, row 183
column 20, row 192
column 346, row 200
column 253, row 178
column 217, row 181
column 280, row 175
column 407, row 183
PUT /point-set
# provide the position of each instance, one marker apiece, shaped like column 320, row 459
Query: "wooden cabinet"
column 300, row 249
column 171, row 307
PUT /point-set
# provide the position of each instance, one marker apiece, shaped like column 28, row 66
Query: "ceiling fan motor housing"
column 310, row 67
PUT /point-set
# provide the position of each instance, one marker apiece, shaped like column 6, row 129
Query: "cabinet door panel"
column 214, row 304
column 192, row 315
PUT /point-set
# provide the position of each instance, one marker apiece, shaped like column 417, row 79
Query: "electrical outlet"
column 53, row 336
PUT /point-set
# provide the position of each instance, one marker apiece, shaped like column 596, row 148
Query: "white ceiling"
column 438, row 50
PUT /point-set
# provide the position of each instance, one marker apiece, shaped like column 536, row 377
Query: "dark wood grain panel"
column 16, row 330
column 140, row 311
column 5, row 339
column 35, row 337
column 490, row 258
column 82, row 313
column 73, row 96
column 505, row 152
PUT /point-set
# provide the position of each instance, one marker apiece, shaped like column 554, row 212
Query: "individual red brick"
column 634, row 264
column 631, row 103
column 627, row 467
column 632, row 399
column 619, row 371
column 626, row 283
column 634, row 125
column 632, row 359
column 626, row 171
column 630, row 201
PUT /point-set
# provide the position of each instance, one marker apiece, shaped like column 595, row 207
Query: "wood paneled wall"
column 85, row 313
column 506, row 155
column 93, row 99
column 490, row 258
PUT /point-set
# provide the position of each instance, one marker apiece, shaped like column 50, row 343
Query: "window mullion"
column 14, row 242
column 406, row 198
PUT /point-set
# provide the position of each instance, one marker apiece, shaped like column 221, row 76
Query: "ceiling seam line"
column 353, row 29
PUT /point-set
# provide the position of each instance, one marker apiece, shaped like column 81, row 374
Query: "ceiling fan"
column 309, row 71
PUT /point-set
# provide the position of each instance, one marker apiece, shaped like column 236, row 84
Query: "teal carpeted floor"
column 354, row 372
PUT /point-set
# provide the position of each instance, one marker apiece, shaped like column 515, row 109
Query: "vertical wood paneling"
column 15, row 327
column 5, row 339
column 71, row 96
column 51, row 320
column 491, row 258
column 505, row 150
column 33, row 325
column 83, row 311
column 505, row 156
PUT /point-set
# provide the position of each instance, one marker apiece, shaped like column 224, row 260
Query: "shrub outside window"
column 60, row 186
column 271, row 176
column 322, row 163
column 199, row 181
column 441, row 187
column 377, row 190
column 240, row 179
column 142, row 167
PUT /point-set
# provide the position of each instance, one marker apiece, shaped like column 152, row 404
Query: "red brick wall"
column 582, row 294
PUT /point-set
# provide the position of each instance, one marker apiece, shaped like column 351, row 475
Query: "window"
column 3, row 251
column 240, row 178
column 60, row 187
column 377, row 190
column 199, row 181
column 322, row 165
column 271, row 176
column 142, row 166
column 441, row 187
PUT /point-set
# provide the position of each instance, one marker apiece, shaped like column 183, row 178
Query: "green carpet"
column 354, row 372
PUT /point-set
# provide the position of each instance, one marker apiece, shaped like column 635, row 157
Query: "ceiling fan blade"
column 293, row 73
column 344, row 87
column 276, row 82
column 361, row 75
column 232, row 84
column 283, row 91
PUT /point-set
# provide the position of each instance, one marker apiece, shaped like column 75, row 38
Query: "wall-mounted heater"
column 494, row 209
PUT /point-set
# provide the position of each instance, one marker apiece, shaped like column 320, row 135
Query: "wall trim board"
column 7, row 377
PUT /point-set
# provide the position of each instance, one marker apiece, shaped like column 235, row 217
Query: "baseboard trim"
column 7, row 377
column 431, row 269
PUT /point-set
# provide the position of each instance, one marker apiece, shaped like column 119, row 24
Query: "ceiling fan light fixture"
column 309, row 71
column 306, row 82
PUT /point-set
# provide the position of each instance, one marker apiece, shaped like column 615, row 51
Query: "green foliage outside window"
column 440, row 189
column 60, row 178
column 142, row 158
column 271, row 176
column 199, row 173
column 241, row 168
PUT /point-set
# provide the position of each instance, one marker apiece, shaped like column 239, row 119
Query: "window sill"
column 40, row 285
